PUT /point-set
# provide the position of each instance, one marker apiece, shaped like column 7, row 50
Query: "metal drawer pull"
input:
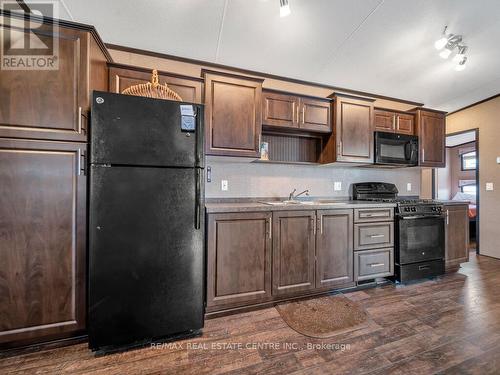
column 377, row 235
column 270, row 229
column 421, row 268
column 376, row 264
column 374, row 215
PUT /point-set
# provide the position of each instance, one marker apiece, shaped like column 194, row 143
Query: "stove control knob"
column 414, row 209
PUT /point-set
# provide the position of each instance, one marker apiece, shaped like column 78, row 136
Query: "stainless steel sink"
column 288, row 203
column 304, row 203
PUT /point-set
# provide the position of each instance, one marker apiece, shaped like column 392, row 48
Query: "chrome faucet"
column 292, row 196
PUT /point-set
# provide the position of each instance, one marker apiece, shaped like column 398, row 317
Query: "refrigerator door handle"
column 199, row 139
column 198, row 199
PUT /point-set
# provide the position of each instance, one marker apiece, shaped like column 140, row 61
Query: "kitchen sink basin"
column 303, row 203
column 288, row 203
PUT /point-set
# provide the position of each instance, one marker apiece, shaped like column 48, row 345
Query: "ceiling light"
column 445, row 53
column 461, row 65
column 284, row 8
column 450, row 43
column 460, row 54
column 450, row 46
column 441, row 42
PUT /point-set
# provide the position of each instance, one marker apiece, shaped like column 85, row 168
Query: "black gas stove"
column 388, row 193
column 419, row 231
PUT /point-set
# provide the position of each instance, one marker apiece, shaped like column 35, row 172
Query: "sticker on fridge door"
column 187, row 110
column 188, row 118
column 188, row 123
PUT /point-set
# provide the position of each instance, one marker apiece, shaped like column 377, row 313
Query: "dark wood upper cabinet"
column 53, row 104
column 289, row 111
column 293, row 251
column 353, row 130
column 238, row 258
column 405, row 124
column 43, row 226
column 280, row 110
column 334, row 248
column 394, row 122
column 233, row 121
column 431, row 128
column 384, row 121
column 124, row 76
column 315, row 115
column 457, row 235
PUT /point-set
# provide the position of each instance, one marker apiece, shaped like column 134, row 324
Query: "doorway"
column 459, row 180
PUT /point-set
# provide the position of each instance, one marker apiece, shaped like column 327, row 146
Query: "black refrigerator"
column 146, row 221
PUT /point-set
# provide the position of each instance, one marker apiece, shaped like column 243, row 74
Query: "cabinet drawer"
column 373, row 235
column 362, row 215
column 370, row 264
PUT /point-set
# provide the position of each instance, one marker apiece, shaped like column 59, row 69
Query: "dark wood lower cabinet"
column 457, row 236
column 42, row 240
column 293, row 251
column 238, row 259
column 260, row 258
column 334, row 248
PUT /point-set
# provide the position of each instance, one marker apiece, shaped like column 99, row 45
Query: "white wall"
column 277, row 180
column 443, row 179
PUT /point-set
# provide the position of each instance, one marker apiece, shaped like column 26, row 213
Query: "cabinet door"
column 233, row 120
column 457, row 235
column 354, row 130
column 384, row 121
column 47, row 104
column 239, row 258
column 405, row 124
column 315, row 115
column 120, row 78
column 431, row 132
column 43, row 228
column 293, row 251
column 334, row 249
column 280, row 110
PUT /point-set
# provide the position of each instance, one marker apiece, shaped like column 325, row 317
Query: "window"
column 469, row 189
column 469, row 161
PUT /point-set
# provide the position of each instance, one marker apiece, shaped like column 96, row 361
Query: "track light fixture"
column 284, row 8
column 447, row 44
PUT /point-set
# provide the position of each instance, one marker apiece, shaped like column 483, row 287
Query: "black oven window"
column 423, row 236
column 392, row 151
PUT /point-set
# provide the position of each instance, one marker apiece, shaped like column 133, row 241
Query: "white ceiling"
column 460, row 139
column 379, row 46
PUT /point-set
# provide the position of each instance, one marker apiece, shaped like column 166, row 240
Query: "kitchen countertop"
column 252, row 206
column 452, row 203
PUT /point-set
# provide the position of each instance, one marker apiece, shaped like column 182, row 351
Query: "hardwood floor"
column 450, row 325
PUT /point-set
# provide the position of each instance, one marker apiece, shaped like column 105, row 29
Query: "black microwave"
column 396, row 149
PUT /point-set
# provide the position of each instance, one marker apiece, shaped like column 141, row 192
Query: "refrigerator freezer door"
column 146, row 256
column 132, row 130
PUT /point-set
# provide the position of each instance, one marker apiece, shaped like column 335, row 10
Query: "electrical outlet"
column 489, row 186
column 408, row 186
column 224, row 185
column 337, row 186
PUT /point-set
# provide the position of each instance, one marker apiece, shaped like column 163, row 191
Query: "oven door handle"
column 421, row 217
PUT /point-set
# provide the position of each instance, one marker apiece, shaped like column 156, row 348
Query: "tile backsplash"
column 245, row 179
